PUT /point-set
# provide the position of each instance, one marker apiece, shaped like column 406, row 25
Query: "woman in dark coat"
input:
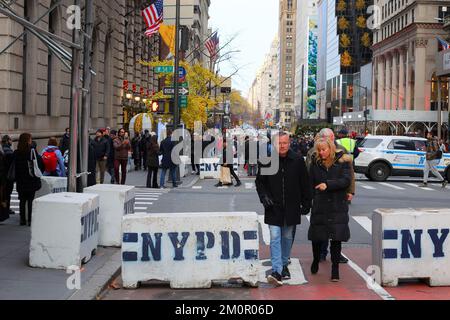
column 330, row 177
column 26, row 183
column 152, row 162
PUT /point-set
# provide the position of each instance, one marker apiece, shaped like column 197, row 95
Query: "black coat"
column 92, row 163
column 152, row 155
column 101, row 148
column 111, row 150
column 64, row 143
column 289, row 189
column 166, row 150
column 24, row 182
column 329, row 215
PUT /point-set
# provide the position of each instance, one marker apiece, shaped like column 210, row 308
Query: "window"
column 370, row 143
column 402, row 145
column 289, row 37
column 288, row 79
column 288, row 58
column 289, row 4
column 288, row 50
column 288, row 86
column 289, row 44
column 288, row 72
column 288, row 65
column 288, row 30
column 412, row 18
column 420, row 145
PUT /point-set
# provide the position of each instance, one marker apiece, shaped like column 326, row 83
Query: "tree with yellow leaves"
column 361, row 22
column 346, row 59
column 343, row 23
column 344, row 40
column 199, row 100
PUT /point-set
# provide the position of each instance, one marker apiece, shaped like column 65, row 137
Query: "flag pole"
column 176, row 110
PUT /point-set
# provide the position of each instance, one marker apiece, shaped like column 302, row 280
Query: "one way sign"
column 169, row 91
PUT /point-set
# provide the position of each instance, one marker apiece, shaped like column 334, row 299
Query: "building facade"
column 306, row 60
column 287, row 38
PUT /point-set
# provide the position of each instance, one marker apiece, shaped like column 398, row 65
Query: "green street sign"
column 163, row 69
column 183, row 101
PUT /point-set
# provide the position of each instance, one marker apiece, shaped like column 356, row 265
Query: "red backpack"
column 50, row 160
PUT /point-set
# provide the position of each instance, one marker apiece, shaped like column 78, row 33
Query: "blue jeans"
column 162, row 178
column 280, row 246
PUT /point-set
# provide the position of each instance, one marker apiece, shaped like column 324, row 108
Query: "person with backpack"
column 53, row 159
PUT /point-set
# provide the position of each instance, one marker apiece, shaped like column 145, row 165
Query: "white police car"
column 384, row 156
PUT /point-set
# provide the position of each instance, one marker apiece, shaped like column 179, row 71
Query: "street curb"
column 99, row 281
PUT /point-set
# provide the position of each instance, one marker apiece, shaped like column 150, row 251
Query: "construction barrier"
column 52, row 185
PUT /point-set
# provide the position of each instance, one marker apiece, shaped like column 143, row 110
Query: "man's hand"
column 349, row 197
column 321, row 187
column 267, row 202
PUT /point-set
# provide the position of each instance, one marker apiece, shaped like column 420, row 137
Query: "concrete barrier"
column 115, row 202
column 412, row 243
column 210, row 168
column 190, row 250
column 52, row 185
column 64, row 230
column 185, row 165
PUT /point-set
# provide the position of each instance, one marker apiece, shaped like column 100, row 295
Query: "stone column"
column 401, row 82
column 419, row 75
column 394, row 83
column 408, row 79
column 380, row 98
column 388, row 83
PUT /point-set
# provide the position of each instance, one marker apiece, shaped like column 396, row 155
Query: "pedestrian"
column 8, row 154
column 53, row 159
column 442, row 146
column 348, row 143
column 4, row 209
column 228, row 162
column 27, row 180
column 101, row 152
column 136, row 150
column 433, row 157
column 145, row 140
column 65, row 141
column 110, row 135
column 92, row 164
column 152, row 162
column 285, row 195
column 166, row 148
column 196, row 156
column 121, row 148
column 330, row 178
column 324, row 134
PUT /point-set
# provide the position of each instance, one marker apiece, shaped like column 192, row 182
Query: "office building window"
column 412, row 16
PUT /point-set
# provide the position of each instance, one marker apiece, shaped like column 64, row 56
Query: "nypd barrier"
column 190, row 250
column 52, row 185
column 210, row 168
column 412, row 243
column 115, row 202
column 64, row 230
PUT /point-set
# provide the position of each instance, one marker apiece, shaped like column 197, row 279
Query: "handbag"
column 225, row 175
column 33, row 167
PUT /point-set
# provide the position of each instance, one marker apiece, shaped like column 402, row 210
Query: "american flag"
column 212, row 44
column 153, row 16
column 444, row 44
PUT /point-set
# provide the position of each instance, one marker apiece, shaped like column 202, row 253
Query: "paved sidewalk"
column 20, row 281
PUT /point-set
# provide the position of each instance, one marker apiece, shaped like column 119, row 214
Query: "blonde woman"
column 330, row 176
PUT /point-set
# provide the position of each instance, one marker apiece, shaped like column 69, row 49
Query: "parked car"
column 383, row 156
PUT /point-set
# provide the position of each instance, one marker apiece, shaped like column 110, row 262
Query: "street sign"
column 225, row 90
column 183, row 101
column 169, row 69
column 170, row 91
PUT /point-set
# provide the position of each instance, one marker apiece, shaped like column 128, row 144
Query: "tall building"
column 306, row 60
column 404, row 64
column 344, row 46
column 287, row 37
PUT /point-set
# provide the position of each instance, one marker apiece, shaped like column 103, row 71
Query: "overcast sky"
column 255, row 22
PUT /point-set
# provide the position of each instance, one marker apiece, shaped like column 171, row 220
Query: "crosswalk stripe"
column 15, row 201
column 140, row 208
column 197, row 187
column 154, row 199
column 391, row 185
column 295, row 268
column 367, row 187
column 143, row 203
column 417, row 186
column 364, row 222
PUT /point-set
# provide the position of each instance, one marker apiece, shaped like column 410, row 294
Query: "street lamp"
column 366, row 112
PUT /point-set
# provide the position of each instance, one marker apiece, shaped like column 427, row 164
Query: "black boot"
column 335, row 250
column 335, row 272
column 316, row 257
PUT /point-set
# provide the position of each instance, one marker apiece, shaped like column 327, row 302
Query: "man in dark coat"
column 136, row 150
column 166, row 150
column 101, row 152
column 285, row 196
column 8, row 157
column 110, row 135
column 65, row 141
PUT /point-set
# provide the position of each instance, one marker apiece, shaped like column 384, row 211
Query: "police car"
column 384, row 156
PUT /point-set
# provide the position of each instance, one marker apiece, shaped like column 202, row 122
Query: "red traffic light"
column 154, row 106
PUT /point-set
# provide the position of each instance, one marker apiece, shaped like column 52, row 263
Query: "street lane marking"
column 295, row 268
column 375, row 287
column 143, row 203
column 265, row 229
column 197, row 187
column 364, row 222
column 15, row 201
column 249, row 185
column 146, row 199
column 417, row 186
column 391, row 185
column 147, row 194
column 140, row 208
column 366, row 187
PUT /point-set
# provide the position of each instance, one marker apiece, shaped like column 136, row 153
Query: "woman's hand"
column 321, row 187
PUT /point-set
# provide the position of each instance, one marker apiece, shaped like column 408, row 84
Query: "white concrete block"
column 52, row 185
column 412, row 243
column 190, row 250
column 209, row 168
column 115, row 202
column 64, row 230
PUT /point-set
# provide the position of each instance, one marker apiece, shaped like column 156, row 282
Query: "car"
column 383, row 156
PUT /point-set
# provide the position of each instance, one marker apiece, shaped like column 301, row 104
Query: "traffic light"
column 184, row 43
column 155, row 106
